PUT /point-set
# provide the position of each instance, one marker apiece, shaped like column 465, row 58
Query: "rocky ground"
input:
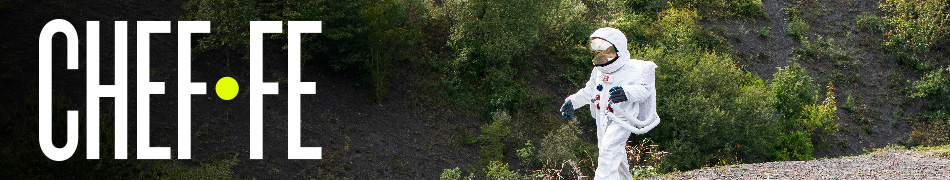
column 882, row 164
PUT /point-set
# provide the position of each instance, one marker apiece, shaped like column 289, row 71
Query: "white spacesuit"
column 622, row 97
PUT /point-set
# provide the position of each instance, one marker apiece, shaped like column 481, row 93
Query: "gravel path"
column 884, row 164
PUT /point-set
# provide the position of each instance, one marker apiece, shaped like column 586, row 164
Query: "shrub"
column 935, row 133
column 916, row 25
column 648, row 7
column 561, row 144
column 455, row 174
column 494, row 40
column 820, row 118
column 497, row 170
column 794, row 146
column 802, row 115
column 797, row 28
column 849, row 104
column 707, row 103
column 644, row 157
column 750, row 9
column 368, row 37
column 794, row 89
column 764, row 32
column 493, row 138
column 734, row 109
column 230, row 22
column 916, row 64
column 868, row 22
column 935, row 88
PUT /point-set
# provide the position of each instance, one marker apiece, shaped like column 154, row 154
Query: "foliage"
column 917, row 65
column 527, row 151
column 707, row 103
column 175, row 170
column 802, row 115
column 358, row 37
column 794, row 146
column 764, row 32
column 820, row 118
column 798, row 28
column 916, row 25
column 563, row 147
column 493, row 46
column 561, row 144
column 868, row 22
column 230, row 20
column 793, row 90
column 724, row 8
column 648, row 7
column 484, row 53
column 497, row 170
column 490, row 58
column 934, row 133
column 494, row 135
column 455, row 174
column 935, row 88
column 644, row 157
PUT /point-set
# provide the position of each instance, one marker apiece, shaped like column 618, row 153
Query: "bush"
column 764, row 32
column 455, row 174
column 935, row 133
column 798, row 28
column 706, row 103
column 916, row 25
column 802, row 115
column 935, row 88
column 494, row 135
column 794, row 89
column 868, row 22
column 794, row 146
column 561, row 145
column 494, row 40
column 916, row 64
column 647, row 7
column 644, row 157
column 497, row 170
column 230, row 22
column 750, row 9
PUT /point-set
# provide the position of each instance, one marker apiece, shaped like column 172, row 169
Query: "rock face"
column 884, row 164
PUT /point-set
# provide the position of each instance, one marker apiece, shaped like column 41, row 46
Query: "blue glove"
column 567, row 110
column 617, row 95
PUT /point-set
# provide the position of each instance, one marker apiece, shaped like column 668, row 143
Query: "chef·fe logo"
column 226, row 88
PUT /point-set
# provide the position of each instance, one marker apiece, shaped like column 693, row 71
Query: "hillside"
column 868, row 83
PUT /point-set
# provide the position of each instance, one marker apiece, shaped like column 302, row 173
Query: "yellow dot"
column 226, row 88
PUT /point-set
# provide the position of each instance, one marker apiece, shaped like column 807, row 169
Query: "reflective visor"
column 598, row 44
column 604, row 57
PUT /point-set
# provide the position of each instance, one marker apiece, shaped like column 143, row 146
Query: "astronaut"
column 622, row 97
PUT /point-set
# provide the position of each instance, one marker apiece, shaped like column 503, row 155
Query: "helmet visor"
column 604, row 57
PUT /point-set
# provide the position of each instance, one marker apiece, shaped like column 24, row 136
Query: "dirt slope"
column 875, row 82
